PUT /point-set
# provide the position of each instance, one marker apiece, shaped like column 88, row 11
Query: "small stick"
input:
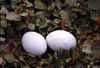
column 62, row 24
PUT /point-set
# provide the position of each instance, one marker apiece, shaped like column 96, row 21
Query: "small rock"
column 2, row 39
column 86, row 47
column 1, row 60
column 57, row 21
column 12, row 16
column 24, row 14
column 10, row 58
column 28, row 4
column 31, row 26
column 39, row 5
column 3, row 10
column 2, row 32
column 71, row 2
column 3, row 23
column 66, row 17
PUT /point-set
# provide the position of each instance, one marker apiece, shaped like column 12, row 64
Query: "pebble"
column 3, row 23
column 31, row 26
column 2, row 39
column 1, row 60
column 2, row 32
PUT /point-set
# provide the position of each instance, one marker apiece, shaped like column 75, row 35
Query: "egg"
column 61, row 39
column 34, row 43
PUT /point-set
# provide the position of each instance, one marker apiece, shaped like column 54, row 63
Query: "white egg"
column 34, row 43
column 61, row 39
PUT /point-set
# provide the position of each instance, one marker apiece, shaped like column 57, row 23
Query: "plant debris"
column 80, row 17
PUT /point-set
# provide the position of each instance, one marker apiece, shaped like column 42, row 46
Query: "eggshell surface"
column 61, row 39
column 34, row 43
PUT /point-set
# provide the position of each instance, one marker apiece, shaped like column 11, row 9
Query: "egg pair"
column 35, row 44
